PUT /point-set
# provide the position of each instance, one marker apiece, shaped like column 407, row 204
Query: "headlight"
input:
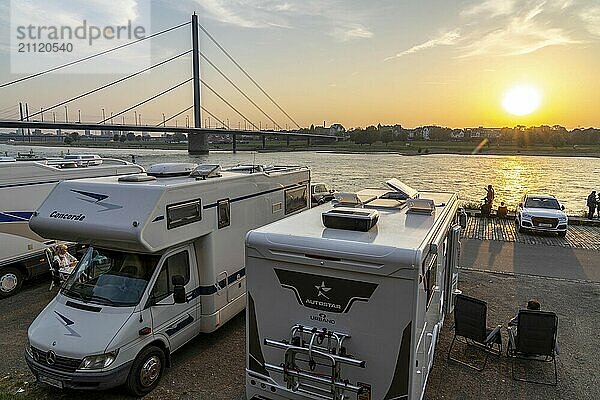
column 562, row 218
column 525, row 215
column 28, row 348
column 99, row 361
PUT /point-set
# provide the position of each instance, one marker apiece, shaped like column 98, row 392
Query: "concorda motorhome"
column 23, row 187
column 345, row 302
column 165, row 262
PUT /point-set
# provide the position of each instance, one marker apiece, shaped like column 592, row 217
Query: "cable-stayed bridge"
column 197, row 134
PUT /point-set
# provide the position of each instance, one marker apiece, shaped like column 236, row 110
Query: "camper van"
column 345, row 302
column 165, row 262
column 23, row 187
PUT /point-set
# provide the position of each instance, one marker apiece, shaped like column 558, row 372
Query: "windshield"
column 539, row 202
column 110, row 277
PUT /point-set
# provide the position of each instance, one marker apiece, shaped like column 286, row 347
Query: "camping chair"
column 470, row 316
column 58, row 277
column 534, row 340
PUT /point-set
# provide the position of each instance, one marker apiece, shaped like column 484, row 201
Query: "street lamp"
column 66, row 114
column 103, row 117
column 79, row 115
column 135, row 117
column 42, row 112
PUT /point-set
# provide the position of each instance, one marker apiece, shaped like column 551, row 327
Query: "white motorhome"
column 345, row 302
column 165, row 262
column 23, row 187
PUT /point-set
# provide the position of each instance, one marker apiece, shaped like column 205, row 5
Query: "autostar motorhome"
column 165, row 262
column 23, row 187
column 345, row 301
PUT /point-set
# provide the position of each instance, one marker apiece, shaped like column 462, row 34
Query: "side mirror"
column 179, row 295
column 562, row 208
column 521, row 205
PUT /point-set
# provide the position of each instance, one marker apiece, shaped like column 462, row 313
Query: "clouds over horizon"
column 511, row 27
column 342, row 23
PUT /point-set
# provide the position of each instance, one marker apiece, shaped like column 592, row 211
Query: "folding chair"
column 534, row 340
column 470, row 316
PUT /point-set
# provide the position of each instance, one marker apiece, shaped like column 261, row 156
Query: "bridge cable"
column 239, row 90
column 245, row 73
column 175, row 116
column 212, row 115
column 229, row 104
column 92, row 56
column 147, row 100
column 62, row 103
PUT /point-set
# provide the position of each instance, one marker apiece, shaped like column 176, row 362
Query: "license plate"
column 546, row 225
column 50, row 381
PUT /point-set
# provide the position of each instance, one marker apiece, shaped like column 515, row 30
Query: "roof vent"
column 352, row 219
column 401, row 190
column 205, row 171
column 420, row 206
column 169, row 170
column 351, row 199
column 136, row 178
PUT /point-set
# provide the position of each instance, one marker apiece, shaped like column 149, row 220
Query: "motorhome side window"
column 295, row 199
column 430, row 268
column 223, row 213
column 177, row 264
column 184, row 213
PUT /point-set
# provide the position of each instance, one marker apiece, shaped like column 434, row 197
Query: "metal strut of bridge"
column 197, row 135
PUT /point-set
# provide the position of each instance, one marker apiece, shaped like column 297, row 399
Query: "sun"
column 522, row 100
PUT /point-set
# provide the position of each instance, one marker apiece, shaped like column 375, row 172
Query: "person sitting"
column 531, row 305
column 64, row 259
column 502, row 210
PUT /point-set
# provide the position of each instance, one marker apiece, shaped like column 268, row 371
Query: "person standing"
column 591, row 203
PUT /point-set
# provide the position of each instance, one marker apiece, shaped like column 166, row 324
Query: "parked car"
column 541, row 213
column 320, row 194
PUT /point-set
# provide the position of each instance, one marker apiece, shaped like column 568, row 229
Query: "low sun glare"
column 522, row 100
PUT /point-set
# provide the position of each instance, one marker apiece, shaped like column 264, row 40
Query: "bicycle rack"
column 311, row 347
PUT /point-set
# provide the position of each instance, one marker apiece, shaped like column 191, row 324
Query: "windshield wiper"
column 77, row 294
column 102, row 298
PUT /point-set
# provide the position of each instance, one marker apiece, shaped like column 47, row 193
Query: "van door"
column 178, row 322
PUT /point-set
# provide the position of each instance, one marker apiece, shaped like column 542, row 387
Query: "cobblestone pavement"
column 578, row 236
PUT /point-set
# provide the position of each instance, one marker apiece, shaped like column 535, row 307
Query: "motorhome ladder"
column 309, row 349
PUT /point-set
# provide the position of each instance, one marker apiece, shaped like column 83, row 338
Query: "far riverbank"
column 403, row 148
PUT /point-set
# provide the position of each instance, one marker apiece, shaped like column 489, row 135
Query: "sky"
column 354, row 62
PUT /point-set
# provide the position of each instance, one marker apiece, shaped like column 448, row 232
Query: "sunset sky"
column 354, row 62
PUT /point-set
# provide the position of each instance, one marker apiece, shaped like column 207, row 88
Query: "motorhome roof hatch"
column 352, row 219
column 205, row 171
column 169, row 170
column 401, row 190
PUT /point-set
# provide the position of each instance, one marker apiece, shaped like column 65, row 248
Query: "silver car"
column 541, row 213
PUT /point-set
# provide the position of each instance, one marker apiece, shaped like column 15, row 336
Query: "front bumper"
column 79, row 380
column 527, row 224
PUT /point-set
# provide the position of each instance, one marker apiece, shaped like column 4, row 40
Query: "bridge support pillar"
column 234, row 143
column 197, row 143
column 287, row 141
column 264, row 141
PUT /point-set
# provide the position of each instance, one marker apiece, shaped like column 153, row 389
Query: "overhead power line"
column 147, row 100
column 62, row 103
column 238, row 89
column 92, row 56
column 245, row 73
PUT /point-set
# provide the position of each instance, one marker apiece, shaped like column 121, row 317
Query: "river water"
column 570, row 179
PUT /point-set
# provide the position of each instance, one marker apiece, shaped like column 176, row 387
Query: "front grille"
column 539, row 221
column 64, row 364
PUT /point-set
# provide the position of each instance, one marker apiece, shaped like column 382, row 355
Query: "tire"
column 562, row 234
column 146, row 371
column 519, row 227
column 11, row 280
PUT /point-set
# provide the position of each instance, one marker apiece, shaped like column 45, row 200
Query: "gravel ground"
column 212, row 366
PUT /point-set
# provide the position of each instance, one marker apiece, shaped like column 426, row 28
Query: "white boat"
column 23, row 187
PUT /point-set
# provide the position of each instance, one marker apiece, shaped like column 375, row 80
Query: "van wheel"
column 11, row 280
column 146, row 371
column 562, row 234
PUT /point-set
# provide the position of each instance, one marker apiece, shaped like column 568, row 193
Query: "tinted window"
column 295, row 199
column 177, row 264
column 540, row 202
